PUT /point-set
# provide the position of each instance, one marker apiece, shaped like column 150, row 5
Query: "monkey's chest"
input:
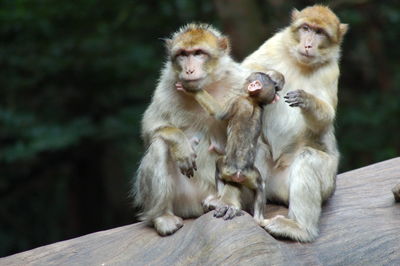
column 282, row 127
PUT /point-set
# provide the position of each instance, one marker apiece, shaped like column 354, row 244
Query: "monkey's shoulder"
column 243, row 106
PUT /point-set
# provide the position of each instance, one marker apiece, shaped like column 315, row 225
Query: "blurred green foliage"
column 76, row 77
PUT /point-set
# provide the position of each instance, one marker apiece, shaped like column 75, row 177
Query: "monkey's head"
column 262, row 88
column 316, row 34
column 195, row 52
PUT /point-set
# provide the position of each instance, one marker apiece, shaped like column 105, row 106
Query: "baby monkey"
column 236, row 166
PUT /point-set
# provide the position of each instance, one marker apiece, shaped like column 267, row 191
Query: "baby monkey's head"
column 262, row 88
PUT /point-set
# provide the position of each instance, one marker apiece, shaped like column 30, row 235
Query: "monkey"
column 298, row 154
column 243, row 113
column 172, row 178
column 175, row 178
column 396, row 193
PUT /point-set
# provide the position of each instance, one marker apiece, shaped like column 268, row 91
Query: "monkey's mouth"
column 276, row 97
column 192, row 80
column 306, row 55
column 192, row 83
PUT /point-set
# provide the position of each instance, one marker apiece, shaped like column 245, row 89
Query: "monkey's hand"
column 277, row 78
column 227, row 212
column 179, row 87
column 298, row 98
column 187, row 90
column 185, row 157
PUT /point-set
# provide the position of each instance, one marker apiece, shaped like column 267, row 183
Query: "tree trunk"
column 360, row 225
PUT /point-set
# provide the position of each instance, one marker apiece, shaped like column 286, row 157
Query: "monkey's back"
column 244, row 128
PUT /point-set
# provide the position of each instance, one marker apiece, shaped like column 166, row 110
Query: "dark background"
column 76, row 76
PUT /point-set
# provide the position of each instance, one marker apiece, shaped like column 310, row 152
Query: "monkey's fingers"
column 194, row 166
column 294, row 99
column 232, row 212
column 295, row 104
column 179, row 87
column 185, row 170
column 220, row 211
column 296, row 92
column 189, row 172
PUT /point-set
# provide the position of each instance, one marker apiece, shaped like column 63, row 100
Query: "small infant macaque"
column 243, row 114
column 396, row 193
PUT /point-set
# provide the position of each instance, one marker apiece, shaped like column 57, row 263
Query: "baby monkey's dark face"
column 262, row 88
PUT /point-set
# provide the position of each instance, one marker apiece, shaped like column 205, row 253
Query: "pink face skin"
column 255, row 88
column 191, row 62
column 311, row 40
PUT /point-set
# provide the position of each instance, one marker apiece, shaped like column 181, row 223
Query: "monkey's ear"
column 343, row 28
column 295, row 14
column 224, row 44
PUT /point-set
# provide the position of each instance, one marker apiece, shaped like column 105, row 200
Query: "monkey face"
column 195, row 52
column 312, row 41
column 316, row 32
column 262, row 88
column 191, row 67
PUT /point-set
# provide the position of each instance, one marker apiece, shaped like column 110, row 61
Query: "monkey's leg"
column 213, row 201
column 255, row 183
column 231, row 208
column 259, row 197
column 156, row 189
column 312, row 179
column 228, row 204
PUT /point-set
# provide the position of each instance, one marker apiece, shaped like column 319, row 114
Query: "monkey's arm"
column 317, row 112
column 180, row 148
column 207, row 102
column 228, row 109
column 213, row 107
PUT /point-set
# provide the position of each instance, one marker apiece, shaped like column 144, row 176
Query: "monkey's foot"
column 282, row 227
column 211, row 203
column 167, row 224
column 227, row 212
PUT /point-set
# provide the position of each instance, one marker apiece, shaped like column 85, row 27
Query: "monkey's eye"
column 182, row 53
column 305, row 28
column 319, row 31
column 199, row 52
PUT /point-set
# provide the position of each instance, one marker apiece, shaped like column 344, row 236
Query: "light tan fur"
column 298, row 155
column 162, row 187
column 235, row 168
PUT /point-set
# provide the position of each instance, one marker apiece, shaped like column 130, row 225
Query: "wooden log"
column 360, row 225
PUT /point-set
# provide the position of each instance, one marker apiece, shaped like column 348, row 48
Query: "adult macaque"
column 299, row 157
column 236, row 167
column 198, row 57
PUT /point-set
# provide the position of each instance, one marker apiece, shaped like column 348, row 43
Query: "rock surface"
column 360, row 225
